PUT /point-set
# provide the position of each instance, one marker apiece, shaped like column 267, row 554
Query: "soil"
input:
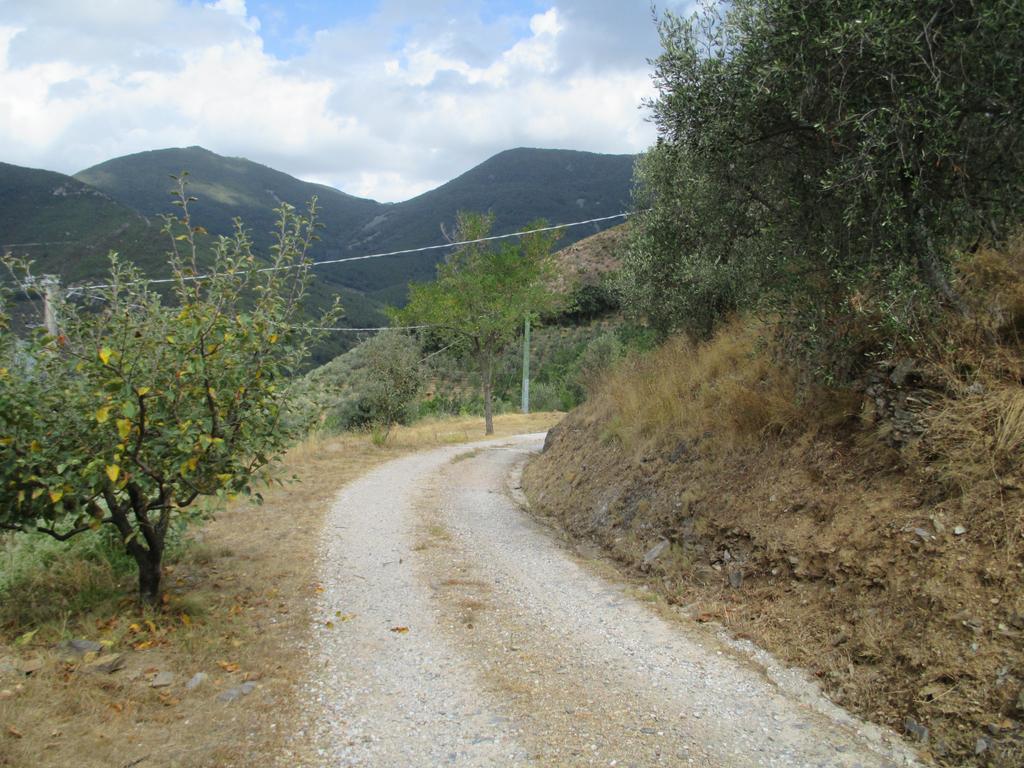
column 907, row 606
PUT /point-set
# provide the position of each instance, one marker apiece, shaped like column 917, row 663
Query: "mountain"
column 68, row 227
column 518, row 186
column 226, row 187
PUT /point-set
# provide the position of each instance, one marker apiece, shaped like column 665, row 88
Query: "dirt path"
column 454, row 630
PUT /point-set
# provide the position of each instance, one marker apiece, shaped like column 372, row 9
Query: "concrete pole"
column 51, row 300
column 526, row 365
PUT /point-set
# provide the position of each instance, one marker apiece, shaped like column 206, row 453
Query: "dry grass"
column 731, row 392
column 238, row 609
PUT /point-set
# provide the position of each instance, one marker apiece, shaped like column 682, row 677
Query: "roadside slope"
column 877, row 548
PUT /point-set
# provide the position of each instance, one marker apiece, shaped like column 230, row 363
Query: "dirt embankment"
column 878, row 543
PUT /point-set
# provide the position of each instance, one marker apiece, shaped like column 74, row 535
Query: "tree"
column 483, row 293
column 392, row 377
column 826, row 159
column 138, row 408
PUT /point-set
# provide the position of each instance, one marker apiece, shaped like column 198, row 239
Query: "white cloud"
column 379, row 107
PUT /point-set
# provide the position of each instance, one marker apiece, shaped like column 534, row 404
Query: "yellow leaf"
column 193, row 463
column 151, row 626
column 134, row 628
column 142, row 391
column 37, row 492
column 56, row 495
column 35, row 447
column 224, row 479
column 26, row 638
column 6, row 440
column 124, row 428
column 102, row 414
column 186, row 620
column 113, row 472
column 228, row 666
column 273, row 338
column 400, row 630
column 329, row 625
column 105, row 353
column 144, row 645
column 3, row 372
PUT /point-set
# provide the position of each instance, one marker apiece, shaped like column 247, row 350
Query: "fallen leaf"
column 400, row 630
column 26, row 638
column 12, row 731
column 186, row 620
column 143, row 646
column 329, row 624
column 228, row 666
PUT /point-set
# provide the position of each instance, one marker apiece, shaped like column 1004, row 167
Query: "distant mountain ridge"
column 68, row 225
column 518, row 186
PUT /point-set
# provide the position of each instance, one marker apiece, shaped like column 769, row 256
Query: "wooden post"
column 526, row 365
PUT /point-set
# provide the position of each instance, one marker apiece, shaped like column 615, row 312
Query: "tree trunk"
column 486, row 374
column 150, row 574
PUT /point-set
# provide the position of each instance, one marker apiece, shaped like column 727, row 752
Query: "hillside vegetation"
column 875, row 538
column 825, row 453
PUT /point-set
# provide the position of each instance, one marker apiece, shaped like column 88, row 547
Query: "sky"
column 379, row 98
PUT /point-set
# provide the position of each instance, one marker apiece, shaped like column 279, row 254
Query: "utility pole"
column 526, row 365
column 51, row 300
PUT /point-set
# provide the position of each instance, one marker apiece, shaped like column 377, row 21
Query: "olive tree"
column 140, row 406
column 827, row 159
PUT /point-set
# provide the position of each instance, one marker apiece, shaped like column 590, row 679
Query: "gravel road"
column 455, row 630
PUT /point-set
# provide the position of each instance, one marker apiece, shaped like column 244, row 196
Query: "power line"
column 402, row 252
column 381, row 328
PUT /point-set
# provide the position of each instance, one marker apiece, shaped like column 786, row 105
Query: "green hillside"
column 519, row 186
column 68, row 227
column 226, row 187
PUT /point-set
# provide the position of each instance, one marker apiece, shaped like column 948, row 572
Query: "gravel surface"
column 454, row 630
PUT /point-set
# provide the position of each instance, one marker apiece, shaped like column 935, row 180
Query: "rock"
column 162, row 680
column 30, row 666
column 655, row 552
column 80, row 647
column 902, row 370
column 195, row 681
column 549, row 438
column 106, row 664
column 981, row 745
column 915, row 729
column 735, row 578
column 237, row 692
column 959, row 531
column 922, row 534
